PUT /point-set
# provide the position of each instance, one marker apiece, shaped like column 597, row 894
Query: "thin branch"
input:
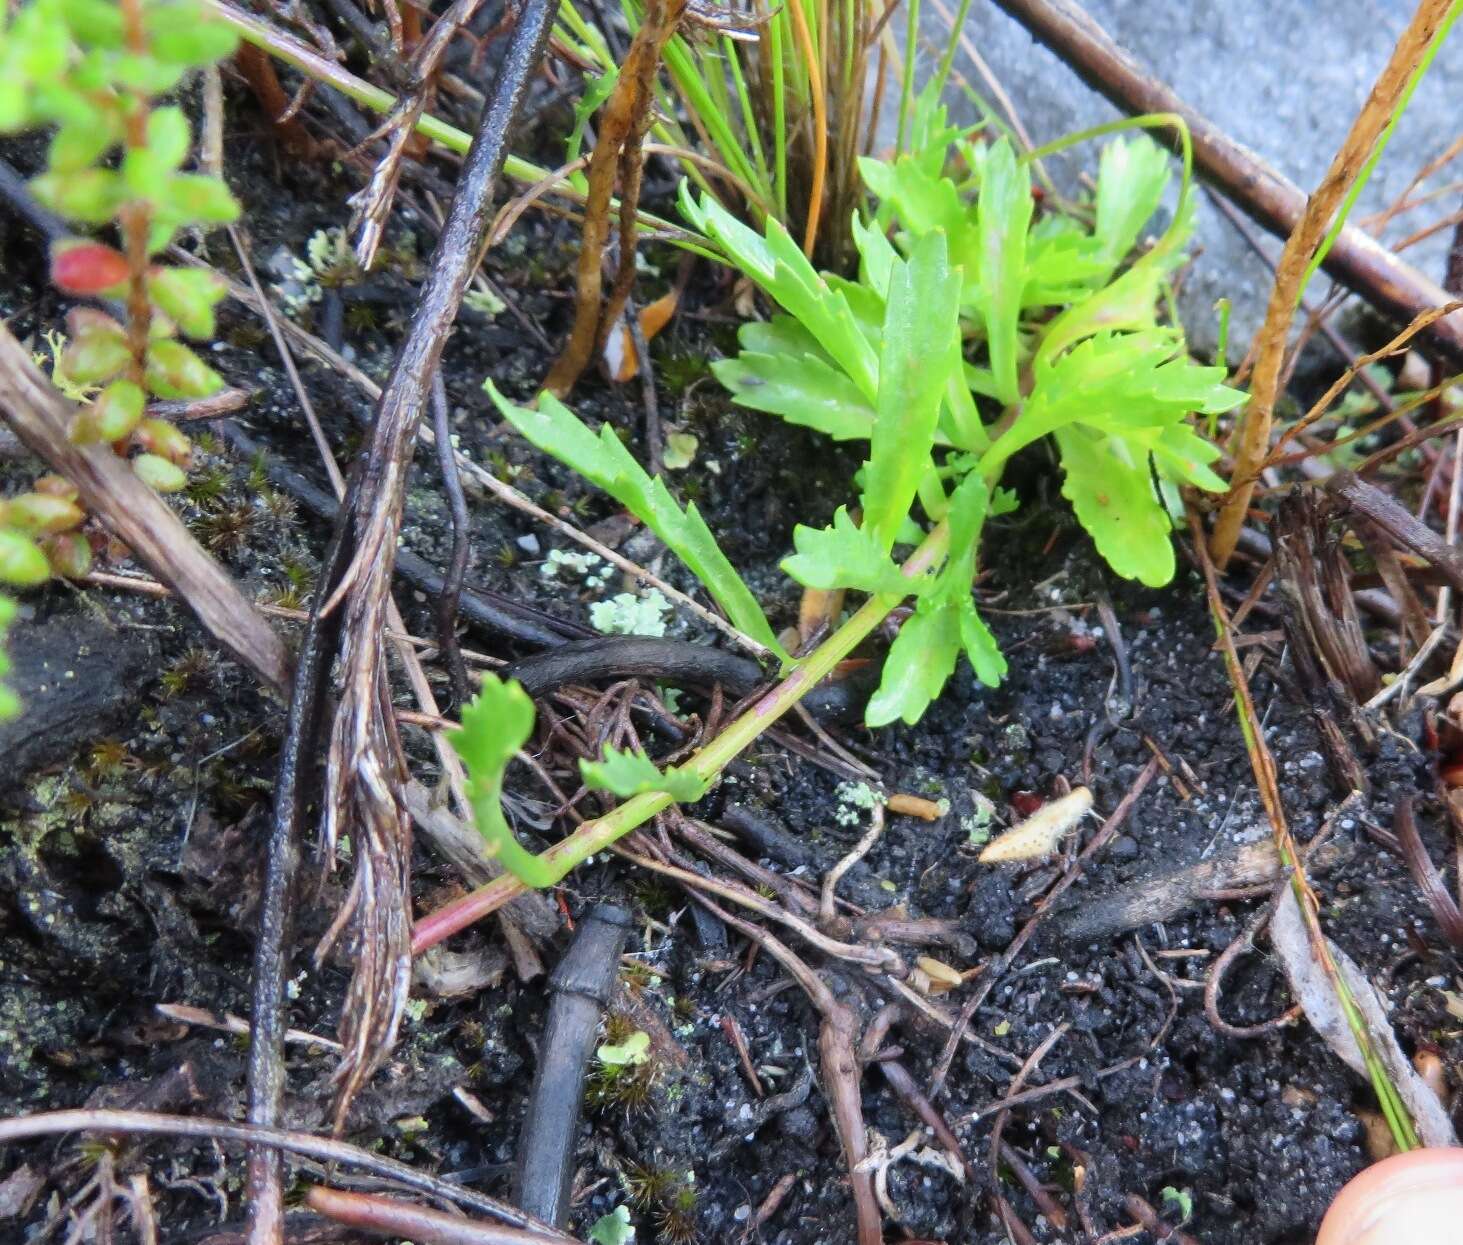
column 1357, row 260
column 323, row 1149
column 141, row 519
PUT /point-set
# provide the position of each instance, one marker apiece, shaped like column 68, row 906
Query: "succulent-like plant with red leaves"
column 93, row 69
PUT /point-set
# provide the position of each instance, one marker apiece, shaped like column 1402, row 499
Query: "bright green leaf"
column 22, row 563
column 633, row 773
column 168, row 136
column 188, row 296
column 783, row 371
column 604, row 462
column 844, row 556
column 1003, row 214
column 980, row 646
column 782, row 271
column 920, row 660
column 495, row 725
column 1131, row 179
column 1114, row 498
column 196, row 197
column 174, row 371
column 612, row 1229
column 181, row 35
column 90, row 196
column 924, row 298
column 634, row 1050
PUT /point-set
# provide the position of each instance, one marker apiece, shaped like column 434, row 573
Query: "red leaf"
column 87, row 268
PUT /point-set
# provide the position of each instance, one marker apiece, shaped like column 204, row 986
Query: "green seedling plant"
column 976, row 327
column 91, row 71
column 1069, row 344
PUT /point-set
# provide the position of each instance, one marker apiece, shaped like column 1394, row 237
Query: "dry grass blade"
column 366, row 769
column 618, row 153
column 1396, row 346
column 1263, row 764
column 1304, row 242
column 1342, row 1020
column 141, row 519
column 372, row 205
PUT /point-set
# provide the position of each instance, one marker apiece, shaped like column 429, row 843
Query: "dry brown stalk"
column 1267, row 780
column 1300, row 248
column 141, row 519
column 618, row 153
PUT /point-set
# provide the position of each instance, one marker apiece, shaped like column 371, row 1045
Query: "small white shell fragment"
column 1040, row 833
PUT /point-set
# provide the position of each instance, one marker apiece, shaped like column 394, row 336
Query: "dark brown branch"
column 389, row 1216
column 324, row 1149
column 296, row 780
column 366, row 767
column 451, row 594
column 1425, row 874
column 1357, row 260
column 623, row 123
column 1399, row 523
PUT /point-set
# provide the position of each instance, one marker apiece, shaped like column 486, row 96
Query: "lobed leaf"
column 604, row 462
column 495, row 724
column 776, row 264
column 844, row 556
column 1131, row 179
column 1003, row 216
column 1113, row 495
column 920, row 660
column 915, row 362
column 633, row 773
column 802, row 389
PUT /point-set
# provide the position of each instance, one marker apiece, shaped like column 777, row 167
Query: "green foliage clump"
column 1070, row 346
column 90, row 70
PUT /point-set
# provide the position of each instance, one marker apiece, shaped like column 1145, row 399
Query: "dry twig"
column 618, row 153
column 1305, row 241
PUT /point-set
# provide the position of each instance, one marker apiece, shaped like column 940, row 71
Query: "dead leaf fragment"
column 1314, row 992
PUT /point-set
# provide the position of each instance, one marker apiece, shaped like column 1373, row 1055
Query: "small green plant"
column 1181, row 1200
column 91, row 69
column 613, row 1229
column 1071, row 348
column 1065, row 342
column 626, row 1070
column 496, row 723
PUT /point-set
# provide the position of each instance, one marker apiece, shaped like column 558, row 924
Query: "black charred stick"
column 296, row 780
column 765, row 835
column 676, row 661
column 581, row 986
column 451, row 595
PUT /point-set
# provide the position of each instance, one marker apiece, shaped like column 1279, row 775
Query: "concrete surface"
column 1284, row 77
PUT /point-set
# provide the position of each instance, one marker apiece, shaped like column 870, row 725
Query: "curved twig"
column 1215, row 978
column 325, row 1149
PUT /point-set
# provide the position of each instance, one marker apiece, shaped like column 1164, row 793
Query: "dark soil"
column 137, row 794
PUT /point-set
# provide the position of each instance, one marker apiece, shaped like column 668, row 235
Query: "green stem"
column 310, row 63
column 595, row 836
column 906, row 88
